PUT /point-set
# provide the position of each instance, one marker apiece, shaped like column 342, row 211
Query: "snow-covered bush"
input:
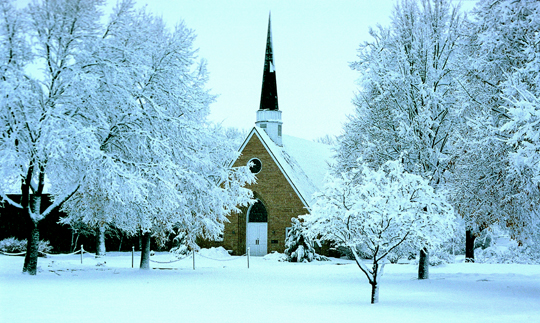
column 485, row 239
column 180, row 251
column 514, row 254
column 14, row 245
column 345, row 252
column 403, row 251
column 441, row 256
column 181, row 248
column 298, row 246
column 44, row 246
column 275, row 256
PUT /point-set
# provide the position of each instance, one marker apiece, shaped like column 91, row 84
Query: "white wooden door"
column 257, row 235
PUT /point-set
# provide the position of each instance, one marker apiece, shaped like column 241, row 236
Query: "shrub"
column 181, row 248
column 514, row 254
column 441, row 256
column 403, row 251
column 298, row 247
column 44, row 246
column 13, row 245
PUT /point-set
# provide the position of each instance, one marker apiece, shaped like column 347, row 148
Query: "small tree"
column 298, row 245
column 380, row 210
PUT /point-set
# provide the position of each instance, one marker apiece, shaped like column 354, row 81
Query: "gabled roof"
column 303, row 163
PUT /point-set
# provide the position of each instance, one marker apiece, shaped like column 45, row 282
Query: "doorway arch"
column 257, row 229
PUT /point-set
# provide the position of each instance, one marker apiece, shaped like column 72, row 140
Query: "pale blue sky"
column 314, row 40
column 313, row 43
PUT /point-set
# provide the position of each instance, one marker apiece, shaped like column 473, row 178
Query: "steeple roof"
column 269, row 97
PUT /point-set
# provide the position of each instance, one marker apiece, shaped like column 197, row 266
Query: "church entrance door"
column 257, row 229
column 256, row 238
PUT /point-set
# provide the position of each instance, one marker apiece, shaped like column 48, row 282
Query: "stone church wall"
column 277, row 195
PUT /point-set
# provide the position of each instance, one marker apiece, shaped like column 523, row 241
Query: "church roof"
column 304, row 163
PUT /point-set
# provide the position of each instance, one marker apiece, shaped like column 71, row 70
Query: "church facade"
column 288, row 171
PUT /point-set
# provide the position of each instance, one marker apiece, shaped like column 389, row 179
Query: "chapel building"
column 288, row 171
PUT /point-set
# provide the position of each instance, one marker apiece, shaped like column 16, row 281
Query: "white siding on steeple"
column 270, row 121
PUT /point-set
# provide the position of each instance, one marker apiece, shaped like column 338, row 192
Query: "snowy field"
column 109, row 290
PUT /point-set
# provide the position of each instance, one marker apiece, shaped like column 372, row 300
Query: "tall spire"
column 269, row 115
column 269, row 97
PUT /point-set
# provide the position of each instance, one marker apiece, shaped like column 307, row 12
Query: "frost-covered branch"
column 388, row 207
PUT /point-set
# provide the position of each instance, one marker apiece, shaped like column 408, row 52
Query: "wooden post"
column 247, row 257
column 132, row 256
column 193, row 252
column 82, row 252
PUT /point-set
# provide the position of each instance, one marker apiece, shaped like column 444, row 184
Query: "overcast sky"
column 314, row 41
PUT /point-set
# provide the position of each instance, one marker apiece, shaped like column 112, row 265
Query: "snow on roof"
column 304, row 162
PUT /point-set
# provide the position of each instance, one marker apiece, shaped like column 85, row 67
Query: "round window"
column 255, row 165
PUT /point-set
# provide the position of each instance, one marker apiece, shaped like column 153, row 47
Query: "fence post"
column 193, row 253
column 132, row 255
column 248, row 257
column 82, row 252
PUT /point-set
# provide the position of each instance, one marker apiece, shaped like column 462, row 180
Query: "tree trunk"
column 374, row 292
column 100, row 241
column 423, row 264
column 121, row 240
column 76, row 241
column 145, row 251
column 32, row 242
column 31, row 258
column 470, row 237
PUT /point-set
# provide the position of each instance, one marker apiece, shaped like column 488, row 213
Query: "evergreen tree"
column 299, row 247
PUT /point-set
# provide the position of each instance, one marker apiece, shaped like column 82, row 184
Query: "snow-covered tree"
column 236, row 135
column 299, row 247
column 406, row 102
column 327, row 140
column 39, row 131
column 118, row 122
column 379, row 210
column 521, row 95
column 165, row 168
column 493, row 179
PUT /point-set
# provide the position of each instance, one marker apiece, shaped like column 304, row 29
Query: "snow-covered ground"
column 109, row 290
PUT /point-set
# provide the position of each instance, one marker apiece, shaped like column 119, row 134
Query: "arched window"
column 257, row 213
